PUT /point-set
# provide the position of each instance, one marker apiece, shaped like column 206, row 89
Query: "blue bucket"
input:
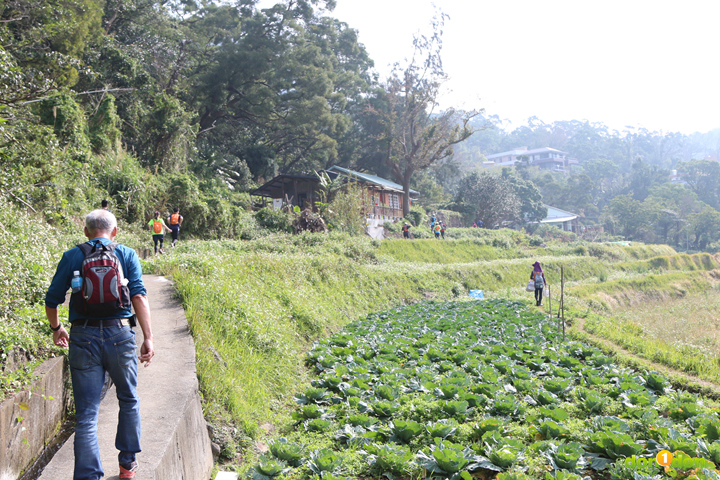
column 476, row 294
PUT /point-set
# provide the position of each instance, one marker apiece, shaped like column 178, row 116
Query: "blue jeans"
column 92, row 352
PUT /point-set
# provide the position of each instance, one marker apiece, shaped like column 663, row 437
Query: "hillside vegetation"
column 255, row 307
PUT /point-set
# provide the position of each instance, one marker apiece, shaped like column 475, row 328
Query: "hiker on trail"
column 442, row 230
column 104, row 205
column 538, row 276
column 474, row 225
column 436, row 229
column 106, row 280
column 433, row 221
column 480, row 223
column 406, row 230
column 158, row 228
column 175, row 220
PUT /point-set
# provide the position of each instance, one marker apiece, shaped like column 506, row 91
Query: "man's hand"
column 61, row 337
column 147, row 352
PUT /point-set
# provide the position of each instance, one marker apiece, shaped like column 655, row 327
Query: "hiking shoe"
column 128, row 470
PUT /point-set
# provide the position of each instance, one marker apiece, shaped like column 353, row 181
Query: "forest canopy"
column 152, row 103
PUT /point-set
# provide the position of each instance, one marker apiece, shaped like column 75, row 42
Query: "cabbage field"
column 485, row 389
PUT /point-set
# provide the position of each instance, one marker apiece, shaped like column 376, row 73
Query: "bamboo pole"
column 562, row 299
column 550, row 313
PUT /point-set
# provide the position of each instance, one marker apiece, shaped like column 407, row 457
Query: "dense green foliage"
column 159, row 104
column 455, row 388
column 254, row 307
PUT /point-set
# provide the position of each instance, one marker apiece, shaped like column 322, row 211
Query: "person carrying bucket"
column 538, row 276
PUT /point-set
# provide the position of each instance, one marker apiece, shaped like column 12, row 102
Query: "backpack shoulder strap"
column 85, row 248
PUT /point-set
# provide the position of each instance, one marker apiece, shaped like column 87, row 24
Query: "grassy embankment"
column 256, row 307
column 666, row 316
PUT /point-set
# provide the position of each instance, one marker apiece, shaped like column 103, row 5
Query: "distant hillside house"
column 562, row 219
column 381, row 198
column 545, row 158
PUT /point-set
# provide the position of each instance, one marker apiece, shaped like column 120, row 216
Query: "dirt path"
column 678, row 378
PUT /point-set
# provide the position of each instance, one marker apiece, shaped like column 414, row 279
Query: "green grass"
column 643, row 288
column 507, row 244
column 669, row 319
column 256, row 307
column 258, row 310
column 631, row 335
column 452, row 251
column 254, row 314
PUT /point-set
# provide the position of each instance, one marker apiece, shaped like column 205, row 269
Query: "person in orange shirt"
column 175, row 220
column 157, row 227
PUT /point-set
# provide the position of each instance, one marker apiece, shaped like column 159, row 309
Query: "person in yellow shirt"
column 157, row 227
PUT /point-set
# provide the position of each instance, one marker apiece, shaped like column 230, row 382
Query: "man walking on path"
column 175, row 220
column 101, row 338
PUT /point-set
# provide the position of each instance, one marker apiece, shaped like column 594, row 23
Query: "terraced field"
column 485, row 389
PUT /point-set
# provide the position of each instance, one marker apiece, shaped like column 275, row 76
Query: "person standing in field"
column 175, row 220
column 538, row 276
column 406, row 230
column 442, row 230
column 157, row 227
column 106, row 281
column 436, row 230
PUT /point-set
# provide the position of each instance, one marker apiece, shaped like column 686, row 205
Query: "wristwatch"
column 56, row 328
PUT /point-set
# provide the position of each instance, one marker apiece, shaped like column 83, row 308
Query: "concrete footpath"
column 175, row 440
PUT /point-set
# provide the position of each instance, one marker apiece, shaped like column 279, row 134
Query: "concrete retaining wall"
column 190, row 444
column 24, row 433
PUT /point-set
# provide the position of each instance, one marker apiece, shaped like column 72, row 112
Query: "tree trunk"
column 406, row 191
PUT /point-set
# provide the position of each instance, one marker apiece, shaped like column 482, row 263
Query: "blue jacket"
column 72, row 260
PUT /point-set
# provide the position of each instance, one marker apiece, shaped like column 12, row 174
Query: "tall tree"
column 419, row 136
column 488, row 198
column 703, row 178
column 531, row 203
column 634, row 217
column 276, row 87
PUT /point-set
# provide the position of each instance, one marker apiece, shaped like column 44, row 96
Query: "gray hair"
column 100, row 221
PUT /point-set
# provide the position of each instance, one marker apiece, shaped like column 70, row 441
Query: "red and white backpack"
column 104, row 292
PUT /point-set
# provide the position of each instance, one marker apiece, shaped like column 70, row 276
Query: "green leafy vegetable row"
column 446, row 390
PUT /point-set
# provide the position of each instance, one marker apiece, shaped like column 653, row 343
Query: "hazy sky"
column 649, row 63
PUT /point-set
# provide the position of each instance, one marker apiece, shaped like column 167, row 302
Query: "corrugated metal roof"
column 554, row 212
column 559, row 219
column 387, row 184
column 524, row 151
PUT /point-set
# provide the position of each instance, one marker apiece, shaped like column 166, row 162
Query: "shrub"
column 345, row 211
column 274, row 220
column 416, row 216
column 536, row 241
column 554, row 233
